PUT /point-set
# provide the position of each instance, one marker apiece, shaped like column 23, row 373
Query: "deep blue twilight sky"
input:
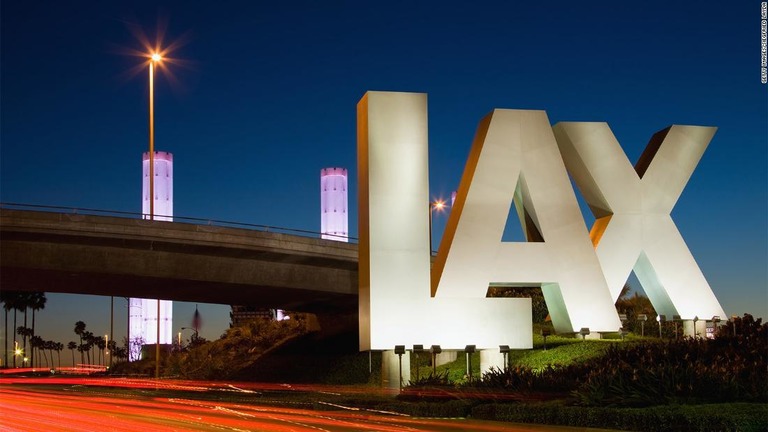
column 267, row 93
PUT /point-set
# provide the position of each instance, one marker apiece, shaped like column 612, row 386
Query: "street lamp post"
column 661, row 319
column 154, row 58
column 435, row 350
column 469, row 350
column 106, row 352
column 400, row 350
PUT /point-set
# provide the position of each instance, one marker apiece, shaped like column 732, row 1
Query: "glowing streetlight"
column 438, row 205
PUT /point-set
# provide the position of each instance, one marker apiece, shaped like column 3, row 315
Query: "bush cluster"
column 727, row 368
column 236, row 350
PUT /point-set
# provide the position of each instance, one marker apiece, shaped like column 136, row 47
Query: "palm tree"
column 79, row 329
column 50, row 346
column 72, row 345
column 7, row 297
column 24, row 332
column 12, row 302
column 37, row 302
column 100, row 343
column 42, row 347
column 82, row 348
column 59, row 349
column 23, row 299
column 34, row 343
column 111, row 347
column 90, row 341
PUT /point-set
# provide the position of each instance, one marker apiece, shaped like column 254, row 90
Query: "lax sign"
column 517, row 157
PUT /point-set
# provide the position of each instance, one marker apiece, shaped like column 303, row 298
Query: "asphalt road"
column 64, row 407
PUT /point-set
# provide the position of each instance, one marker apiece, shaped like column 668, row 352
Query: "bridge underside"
column 66, row 282
column 99, row 255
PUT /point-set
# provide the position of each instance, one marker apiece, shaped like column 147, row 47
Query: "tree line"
column 91, row 347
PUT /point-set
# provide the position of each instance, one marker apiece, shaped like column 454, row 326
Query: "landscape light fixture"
column 400, row 350
column 469, row 350
column 435, row 350
column 584, row 332
column 642, row 318
column 504, row 349
column 416, row 350
column 695, row 320
column 544, row 334
column 661, row 319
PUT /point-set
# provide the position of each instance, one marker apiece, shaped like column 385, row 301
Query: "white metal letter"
column 515, row 157
column 632, row 206
column 395, row 303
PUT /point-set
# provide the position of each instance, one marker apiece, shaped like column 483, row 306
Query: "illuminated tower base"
column 142, row 313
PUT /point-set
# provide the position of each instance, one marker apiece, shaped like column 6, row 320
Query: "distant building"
column 142, row 313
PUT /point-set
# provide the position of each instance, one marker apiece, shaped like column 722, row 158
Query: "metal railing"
column 179, row 219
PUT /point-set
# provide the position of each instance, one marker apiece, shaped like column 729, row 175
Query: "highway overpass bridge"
column 130, row 257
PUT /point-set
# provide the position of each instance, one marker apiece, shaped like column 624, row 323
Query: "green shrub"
column 433, row 379
column 688, row 370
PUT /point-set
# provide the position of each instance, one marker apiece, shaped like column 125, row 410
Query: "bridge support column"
column 390, row 369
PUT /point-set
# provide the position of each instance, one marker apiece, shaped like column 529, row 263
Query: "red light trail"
column 25, row 406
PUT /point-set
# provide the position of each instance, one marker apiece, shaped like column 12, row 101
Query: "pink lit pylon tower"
column 143, row 312
column 334, row 219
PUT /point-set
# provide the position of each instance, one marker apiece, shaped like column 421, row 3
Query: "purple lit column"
column 333, row 204
column 143, row 312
